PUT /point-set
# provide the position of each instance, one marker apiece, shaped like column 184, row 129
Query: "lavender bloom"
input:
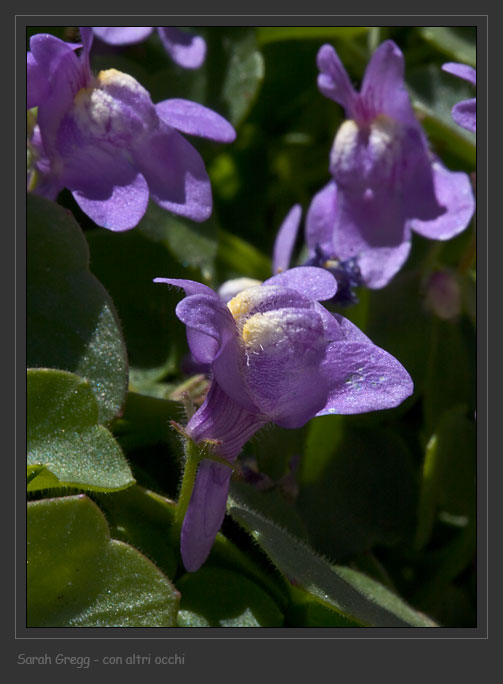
column 347, row 273
column 185, row 49
column 277, row 355
column 385, row 183
column 103, row 139
column 464, row 113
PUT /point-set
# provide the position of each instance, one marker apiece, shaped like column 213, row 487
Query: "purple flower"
column 346, row 273
column 385, row 183
column 184, row 48
column 277, row 355
column 103, row 139
column 464, row 113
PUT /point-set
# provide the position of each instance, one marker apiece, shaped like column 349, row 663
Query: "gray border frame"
column 211, row 641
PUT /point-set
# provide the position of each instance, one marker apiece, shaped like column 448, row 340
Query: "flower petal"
column 463, row 71
column 285, row 239
column 175, row 174
column 333, row 81
column 320, row 220
column 310, row 281
column 284, row 349
column 56, row 58
column 205, row 513
column 194, row 119
column 184, row 48
column 380, row 264
column 37, row 85
column 454, row 192
column 219, row 418
column 209, row 324
column 122, row 35
column 363, row 377
column 190, row 287
column 465, row 114
column 122, row 209
column 383, row 88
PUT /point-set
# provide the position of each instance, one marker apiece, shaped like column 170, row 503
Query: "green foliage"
column 71, row 320
column 342, row 589
column 65, row 437
column 216, row 597
column 79, row 577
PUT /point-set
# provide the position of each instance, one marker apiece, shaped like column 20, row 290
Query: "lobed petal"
column 209, row 324
column 122, row 35
column 463, row 71
column 383, row 87
column 465, row 114
column 37, row 84
column 195, row 119
column 190, row 287
column 175, row 174
column 310, row 281
column 454, row 192
column 185, row 49
column 285, row 239
column 121, row 209
column 333, row 81
column 363, row 377
column 320, row 220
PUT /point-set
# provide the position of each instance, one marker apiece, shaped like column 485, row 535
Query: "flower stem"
column 192, row 458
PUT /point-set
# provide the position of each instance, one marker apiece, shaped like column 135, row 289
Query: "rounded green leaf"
column 78, row 577
column 217, row 597
column 64, row 436
column 71, row 320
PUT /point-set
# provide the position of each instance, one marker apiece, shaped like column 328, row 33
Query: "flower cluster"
column 103, row 138
column 276, row 355
column 185, row 49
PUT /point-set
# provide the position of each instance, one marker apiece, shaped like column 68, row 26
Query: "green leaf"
column 64, row 436
column 72, row 324
column 218, row 597
column 271, row 504
column 143, row 519
column 273, row 34
column 244, row 74
column 449, row 474
column 78, row 577
column 458, row 43
column 346, row 591
column 305, row 611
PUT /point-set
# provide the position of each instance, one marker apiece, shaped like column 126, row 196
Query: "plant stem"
column 192, row 458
